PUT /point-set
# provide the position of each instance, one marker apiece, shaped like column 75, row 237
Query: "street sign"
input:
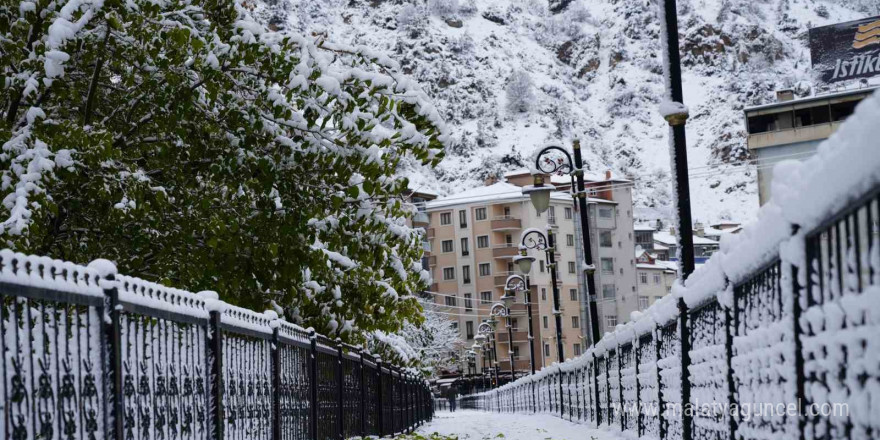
column 846, row 51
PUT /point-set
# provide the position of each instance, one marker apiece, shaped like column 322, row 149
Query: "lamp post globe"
column 539, row 194
column 509, row 298
column 524, row 261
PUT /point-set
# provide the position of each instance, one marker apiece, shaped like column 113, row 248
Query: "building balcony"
column 506, row 250
column 432, row 260
column 421, row 219
column 506, row 223
column 501, row 278
column 520, row 336
column 429, row 233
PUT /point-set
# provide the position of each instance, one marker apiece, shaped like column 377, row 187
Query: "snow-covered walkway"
column 479, row 425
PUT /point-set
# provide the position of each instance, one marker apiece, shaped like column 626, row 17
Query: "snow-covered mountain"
column 511, row 75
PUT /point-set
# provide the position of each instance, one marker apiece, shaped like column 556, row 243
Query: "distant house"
column 716, row 231
column 703, row 247
column 654, row 277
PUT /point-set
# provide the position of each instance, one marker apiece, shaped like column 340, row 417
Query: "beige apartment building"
column 473, row 237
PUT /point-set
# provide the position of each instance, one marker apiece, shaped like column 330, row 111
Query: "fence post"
column 379, row 405
column 276, row 379
column 340, row 390
column 620, row 386
column 113, row 336
column 796, row 290
column 685, row 342
column 661, row 419
column 216, row 359
column 363, row 395
column 596, row 407
column 313, row 385
column 731, row 386
column 637, row 358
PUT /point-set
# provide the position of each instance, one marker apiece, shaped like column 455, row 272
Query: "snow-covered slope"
column 595, row 73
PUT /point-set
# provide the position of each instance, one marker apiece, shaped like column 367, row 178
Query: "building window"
column 450, row 301
column 465, row 250
column 643, row 302
column 482, row 242
column 605, row 239
column 546, row 322
column 466, row 274
column 608, row 266
column 568, row 213
column 485, row 270
column 516, row 352
column 541, row 265
column 448, row 273
column 606, row 212
column 571, row 267
column 469, row 329
column 551, row 215
column 468, row 303
column 643, row 277
column 608, row 291
column 462, row 219
column 447, row 246
column 480, row 214
column 575, row 322
column 569, row 240
column 544, row 294
column 485, row 297
column 656, row 278
column 445, row 218
column 610, row 322
column 546, row 350
column 577, row 349
column 514, row 324
column 573, row 294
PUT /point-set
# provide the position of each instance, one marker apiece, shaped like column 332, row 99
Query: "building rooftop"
column 563, row 180
column 643, row 227
column 669, row 239
column 500, row 192
column 809, row 99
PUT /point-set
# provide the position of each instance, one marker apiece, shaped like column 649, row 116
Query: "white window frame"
column 480, row 212
column 451, row 246
column 453, row 273
column 480, row 269
column 488, row 242
column 447, row 216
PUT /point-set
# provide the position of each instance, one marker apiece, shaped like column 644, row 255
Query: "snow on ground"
column 480, row 425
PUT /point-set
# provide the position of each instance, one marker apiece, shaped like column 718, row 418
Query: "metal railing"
column 796, row 331
column 91, row 354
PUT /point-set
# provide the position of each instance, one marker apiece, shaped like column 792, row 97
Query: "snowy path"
column 479, row 425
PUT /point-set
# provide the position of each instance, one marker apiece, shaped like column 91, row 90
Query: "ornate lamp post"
column 535, row 239
column 518, row 283
column 556, row 160
column 487, row 330
column 503, row 310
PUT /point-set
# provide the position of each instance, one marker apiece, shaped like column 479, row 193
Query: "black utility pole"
column 588, row 248
column 551, row 251
column 677, row 121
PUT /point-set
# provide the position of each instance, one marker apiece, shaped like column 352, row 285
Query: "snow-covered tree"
column 520, row 96
column 196, row 147
column 443, row 8
column 431, row 345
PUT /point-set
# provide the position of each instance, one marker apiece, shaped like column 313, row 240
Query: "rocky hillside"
column 511, row 75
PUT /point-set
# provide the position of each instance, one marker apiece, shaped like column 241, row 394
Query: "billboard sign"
column 846, row 51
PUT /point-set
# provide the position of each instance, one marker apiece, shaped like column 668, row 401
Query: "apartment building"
column 654, row 277
column 475, row 234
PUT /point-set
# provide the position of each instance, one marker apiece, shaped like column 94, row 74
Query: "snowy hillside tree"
column 520, row 96
column 195, row 147
column 431, row 345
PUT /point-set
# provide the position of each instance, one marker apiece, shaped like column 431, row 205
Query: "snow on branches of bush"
column 209, row 150
column 520, row 95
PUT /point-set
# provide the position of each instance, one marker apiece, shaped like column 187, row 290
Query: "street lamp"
column 486, row 332
column 535, row 239
column 556, row 160
column 503, row 310
column 518, row 283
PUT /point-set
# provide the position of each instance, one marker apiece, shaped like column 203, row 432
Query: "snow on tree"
column 443, row 8
column 519, row 92
column 196, row 147
column 431, row 345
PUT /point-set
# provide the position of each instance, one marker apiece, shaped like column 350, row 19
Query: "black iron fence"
column 88, row 354
column 785, row 345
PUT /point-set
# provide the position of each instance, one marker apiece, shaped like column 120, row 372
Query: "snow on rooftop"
column 669, row 239
column 643, row 227
column 495, row 192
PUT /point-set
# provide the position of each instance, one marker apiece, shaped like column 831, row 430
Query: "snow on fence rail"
column 777, row 336
column 90, row 354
